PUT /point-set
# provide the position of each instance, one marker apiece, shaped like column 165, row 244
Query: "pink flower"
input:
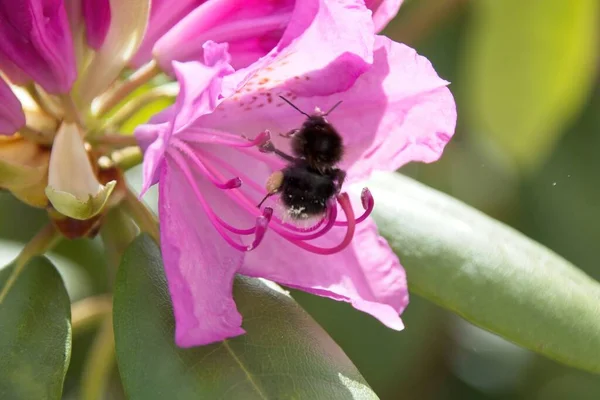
column 11, row 113
column 395, row 109
column 96, row 14
column 35, row 38
column 178, row 29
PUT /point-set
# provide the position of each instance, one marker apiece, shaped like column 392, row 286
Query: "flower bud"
column 73, row 188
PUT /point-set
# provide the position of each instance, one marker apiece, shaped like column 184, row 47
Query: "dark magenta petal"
column 11, row 113
column 35, row 37
column 96, row 14
column 251, row 28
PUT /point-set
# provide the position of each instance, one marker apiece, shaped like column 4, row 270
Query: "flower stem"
column 89, row 311
column 43, row 241
column 114, row 140
column 115, row 96
column 143, row 217
column 166, row 91
column 128, row 157
column 99, row 363
column 43, row 103
column 70, row 109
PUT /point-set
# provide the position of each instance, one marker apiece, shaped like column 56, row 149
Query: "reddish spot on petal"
column 263, row 81
column 260, row 105
column 307, row 77
column 270, row 100
column 296, row 77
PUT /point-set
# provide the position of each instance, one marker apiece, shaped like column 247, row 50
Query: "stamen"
column 184, row 148
column 344, row 202
column 368, row 202
column 262, row 221
column 331, row 217
column 248, row 182
column 291, row 234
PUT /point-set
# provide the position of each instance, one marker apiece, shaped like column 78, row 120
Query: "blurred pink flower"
column 395, row 110
column 11, row 114
column 35, row 41
column 178, row 29
column 96, row 14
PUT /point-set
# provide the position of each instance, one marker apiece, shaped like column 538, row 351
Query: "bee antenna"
column 291, row 104
column 333, row 108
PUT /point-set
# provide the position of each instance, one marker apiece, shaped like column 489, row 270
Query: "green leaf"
column 488, row 273
column 283, row 355
column 529, row 67
column 35, row 338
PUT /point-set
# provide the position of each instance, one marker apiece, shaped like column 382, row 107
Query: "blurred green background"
column 526, row 152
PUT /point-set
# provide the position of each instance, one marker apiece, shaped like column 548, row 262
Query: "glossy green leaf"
column 529, row 67
column 283, row 355
column 488, row 273
column 35, row 338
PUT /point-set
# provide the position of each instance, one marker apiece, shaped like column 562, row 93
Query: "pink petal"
column 15, row 74
column 35, row 36
column 325, row 48
column 97, row 20
column 199, row 265
column 11, row 113
column 251, row 27
column 200, row 84
column 398, row 111
column 383, row 11
column 366, row 274
column 151, row 138
column 164, row 14
column 413, row 110
column 198, row 95
column 324, row 51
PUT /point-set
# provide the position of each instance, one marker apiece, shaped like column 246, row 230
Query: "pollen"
column 274, row 182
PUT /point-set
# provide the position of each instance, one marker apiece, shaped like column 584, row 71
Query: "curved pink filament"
column 368, row 202
column 221, row 227
column 261, row 190
column 344, row 201
column 185, row 149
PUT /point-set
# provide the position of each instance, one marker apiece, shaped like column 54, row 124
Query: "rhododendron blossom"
column 207, row 154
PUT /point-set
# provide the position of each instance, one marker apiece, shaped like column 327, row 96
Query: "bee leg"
column 340, row 177
column 273, row 185
column 289, row 134
column 269, row 147
column 264, row 199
